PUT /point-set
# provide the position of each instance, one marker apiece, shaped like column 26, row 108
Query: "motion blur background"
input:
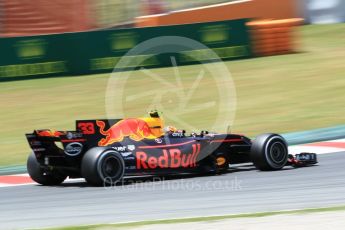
column 286, row 58
column 24, row 17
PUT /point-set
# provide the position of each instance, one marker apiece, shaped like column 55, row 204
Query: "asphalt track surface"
column 244, row 189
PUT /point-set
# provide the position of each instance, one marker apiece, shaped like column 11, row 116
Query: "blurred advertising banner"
column 100, row 51
column 110, row 13
column 324, row 11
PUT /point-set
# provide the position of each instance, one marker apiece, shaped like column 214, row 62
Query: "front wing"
column 302, row 159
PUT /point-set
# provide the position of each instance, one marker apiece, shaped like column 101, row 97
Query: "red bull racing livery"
column 106, row 151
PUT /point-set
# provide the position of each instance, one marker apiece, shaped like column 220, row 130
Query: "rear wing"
column 50, row 142
column 88, row 133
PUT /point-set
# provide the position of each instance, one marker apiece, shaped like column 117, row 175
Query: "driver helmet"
column 154, row 114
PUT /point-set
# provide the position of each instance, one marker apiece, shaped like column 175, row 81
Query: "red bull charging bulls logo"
column 136, row 129
column 172, row 158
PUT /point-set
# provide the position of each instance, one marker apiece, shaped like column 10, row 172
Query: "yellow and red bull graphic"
column 171, row 158
column 134, row 128
column 48, row 133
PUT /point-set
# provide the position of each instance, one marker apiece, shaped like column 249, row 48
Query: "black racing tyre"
column 269, row 152
column 40, row 176
column 101, row 166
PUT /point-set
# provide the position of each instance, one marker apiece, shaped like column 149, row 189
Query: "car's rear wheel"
column 41, row 176
column 269, row 152
column 102, row 166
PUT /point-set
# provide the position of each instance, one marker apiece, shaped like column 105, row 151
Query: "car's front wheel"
column 269, row 152
column 43, row 177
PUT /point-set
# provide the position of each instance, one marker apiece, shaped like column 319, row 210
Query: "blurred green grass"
column 274, row 94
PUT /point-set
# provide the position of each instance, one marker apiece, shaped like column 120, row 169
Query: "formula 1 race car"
column 104, row 151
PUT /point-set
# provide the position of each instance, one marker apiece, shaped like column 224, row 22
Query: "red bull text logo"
column 172, row 158
column 136, row 129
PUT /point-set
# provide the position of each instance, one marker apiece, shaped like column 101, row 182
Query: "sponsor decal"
column 305, row 157
column 158, row 140
column 135, row 129
column 172, row 158
column 126, row 154
column 120, row 148
column 177, row 134
column 71, row 135
column 73, row 149
column 131, row 147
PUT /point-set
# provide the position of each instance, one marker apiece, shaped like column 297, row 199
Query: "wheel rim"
column 110, row 167
column 278, row 152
